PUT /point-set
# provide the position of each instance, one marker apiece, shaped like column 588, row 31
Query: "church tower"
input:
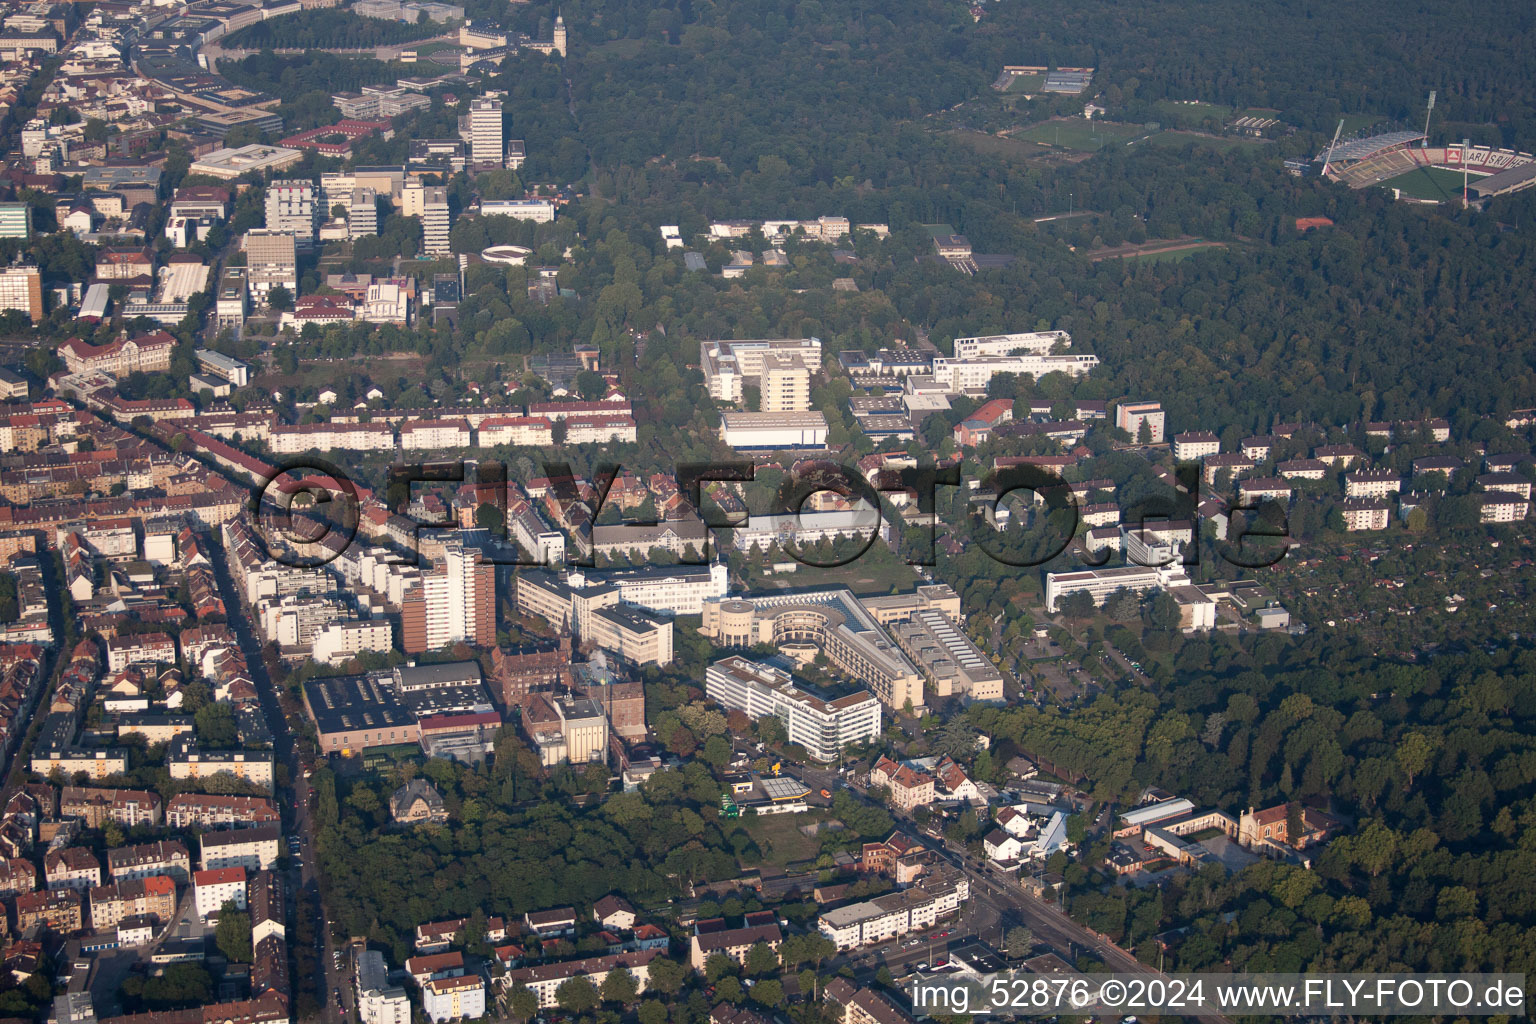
column 559, row 35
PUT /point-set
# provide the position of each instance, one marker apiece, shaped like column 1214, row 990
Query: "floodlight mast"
column 1329, row 158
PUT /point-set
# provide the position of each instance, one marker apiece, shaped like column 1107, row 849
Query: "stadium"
column 1417, row 172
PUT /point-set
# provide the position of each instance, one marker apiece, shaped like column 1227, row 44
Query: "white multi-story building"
column 676, row 589
column 386, row 302
column 1365, row 514
column 730, row 366
column 486, row 137
column 1033, row 343
column 545, row 979
column 434, row 435
column 291, row 208
column 785, row 385
column 352, row 437
column 295, row 620
column 971, row 376
column 1195, row 444
column 599, row 429
column 540, row 211
column 894, row 914
column 823, row 727
column 378, row 1001
column 436, row 222
column 539, row 541
column 524, row 431
column 1372, row 483
column 1507, row 483
column 453, row 603
column 362, row 213
column 340, row 641
column 254, row 848
column 213, row 887
column 1503, row 508
column 460, row 998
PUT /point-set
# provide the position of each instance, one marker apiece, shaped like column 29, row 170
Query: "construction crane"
column 1329, row 158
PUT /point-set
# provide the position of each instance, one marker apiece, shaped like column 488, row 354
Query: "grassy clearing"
column 780, row 838
column 1000, row 146
column 1191, row 113
column 1083, row 136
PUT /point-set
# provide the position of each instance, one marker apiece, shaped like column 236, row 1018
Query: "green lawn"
column 1191, row 113
column 1084, row 136
column 999, row 145
column 876, row 571
column 1161, row 257
column 780, row 838
column 1437, row 183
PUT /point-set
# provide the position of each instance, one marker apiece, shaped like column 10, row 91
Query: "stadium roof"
column 1359, row 149
column 1512, row 180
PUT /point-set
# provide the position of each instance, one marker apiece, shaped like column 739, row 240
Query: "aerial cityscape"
column 773, row 513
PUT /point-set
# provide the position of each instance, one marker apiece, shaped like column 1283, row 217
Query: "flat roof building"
column 824, row 727
column 231, row 163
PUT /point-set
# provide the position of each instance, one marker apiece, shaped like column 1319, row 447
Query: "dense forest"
column 1434, row 765
column 329, row 27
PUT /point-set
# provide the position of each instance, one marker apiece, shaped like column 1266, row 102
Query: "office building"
column 291, row 208
column 454, row 602
column 15, row 220
column 785, row 384
column 731, row 366
column 271, row 259
column 436, row 222
column 487, row 142
column 830, row 621
column 540, row 211
column 21, row 288
column 229, row 300
column 823, row 727
column 362, row 213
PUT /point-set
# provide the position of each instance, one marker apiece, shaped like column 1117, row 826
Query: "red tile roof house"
column 423, row 969
column 978, row 426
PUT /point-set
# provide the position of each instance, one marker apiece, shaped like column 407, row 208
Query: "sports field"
column 1084, row 136
column 1439, row 183
column 1175, row 113
column 1026, row 83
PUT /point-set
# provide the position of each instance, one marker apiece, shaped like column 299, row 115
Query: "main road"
column 304, row 878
